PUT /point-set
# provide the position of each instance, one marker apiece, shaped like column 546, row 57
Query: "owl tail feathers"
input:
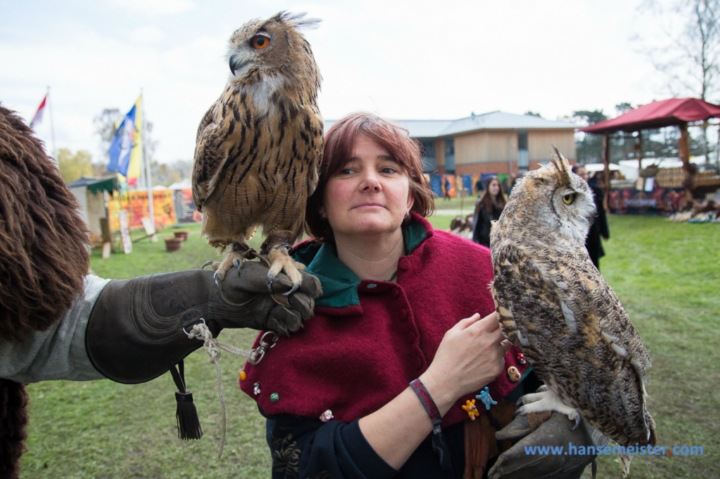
column 625, row 461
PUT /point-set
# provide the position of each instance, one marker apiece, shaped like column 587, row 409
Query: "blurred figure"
column 488, row 209
column 599, row 228
column 479, row 187
column 511, row 182
column 448, row 186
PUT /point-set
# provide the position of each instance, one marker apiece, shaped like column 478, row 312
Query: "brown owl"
column 260, row 144
column 554, row 305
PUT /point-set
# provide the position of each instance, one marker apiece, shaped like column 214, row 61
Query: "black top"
column 482, row 224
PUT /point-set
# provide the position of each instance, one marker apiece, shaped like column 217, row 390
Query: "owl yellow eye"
column 260, row 42
column 569, row 198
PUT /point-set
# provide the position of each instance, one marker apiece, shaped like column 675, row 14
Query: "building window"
column 523, row 155
column 450, row 155
column 427, row 151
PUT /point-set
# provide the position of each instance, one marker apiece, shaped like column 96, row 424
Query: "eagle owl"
column 259, row 145
column 556, row 307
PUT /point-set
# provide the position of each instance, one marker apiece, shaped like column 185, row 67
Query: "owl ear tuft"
column 562, row 166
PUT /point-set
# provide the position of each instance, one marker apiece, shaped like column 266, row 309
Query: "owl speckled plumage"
column 260, row 144
column 556, row 307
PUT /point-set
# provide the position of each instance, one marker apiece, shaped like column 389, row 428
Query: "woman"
column 488, row 209
column 395, row 293
column 599, row 227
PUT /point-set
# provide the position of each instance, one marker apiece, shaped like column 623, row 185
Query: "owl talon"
column 207, row 263
column 575, row 416
column 270, row 279
column 237, row 263
column 292, row 290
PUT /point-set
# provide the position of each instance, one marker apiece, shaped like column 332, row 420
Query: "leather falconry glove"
column 557, row 431
column 135, row 331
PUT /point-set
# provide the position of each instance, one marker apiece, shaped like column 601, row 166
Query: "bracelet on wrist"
column 438, row 441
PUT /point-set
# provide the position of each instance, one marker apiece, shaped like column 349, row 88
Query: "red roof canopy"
column 658, row 114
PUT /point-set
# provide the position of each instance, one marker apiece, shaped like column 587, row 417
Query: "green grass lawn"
column 666, row 275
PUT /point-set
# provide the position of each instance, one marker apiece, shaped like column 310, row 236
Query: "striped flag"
column 39, row 113
column 126, row 149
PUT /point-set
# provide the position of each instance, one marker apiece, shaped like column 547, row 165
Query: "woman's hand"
column 469, row 357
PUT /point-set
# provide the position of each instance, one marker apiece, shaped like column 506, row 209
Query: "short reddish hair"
column 339, row 144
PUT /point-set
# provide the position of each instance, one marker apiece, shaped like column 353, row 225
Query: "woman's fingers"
column 466, row 322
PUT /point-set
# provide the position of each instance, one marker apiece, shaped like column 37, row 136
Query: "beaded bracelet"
column 438, row 441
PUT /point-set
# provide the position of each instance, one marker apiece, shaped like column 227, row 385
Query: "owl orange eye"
column 568, row 199
column 260, row 42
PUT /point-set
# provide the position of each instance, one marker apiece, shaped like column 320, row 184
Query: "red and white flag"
column 39, row 113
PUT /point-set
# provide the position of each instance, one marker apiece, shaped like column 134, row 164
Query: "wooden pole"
column 639, row 148
column 684, row 146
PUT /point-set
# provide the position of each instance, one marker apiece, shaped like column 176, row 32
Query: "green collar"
column 339, row 283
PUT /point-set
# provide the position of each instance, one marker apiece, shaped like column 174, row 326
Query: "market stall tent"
column 672, row 112
column 89, row 192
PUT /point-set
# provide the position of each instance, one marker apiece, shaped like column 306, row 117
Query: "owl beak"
column 236, row 63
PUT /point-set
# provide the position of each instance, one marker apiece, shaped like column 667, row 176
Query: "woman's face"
column 494, row 188
column 582, row 173
column 370, row 194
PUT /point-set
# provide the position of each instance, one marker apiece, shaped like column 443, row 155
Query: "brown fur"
column 43, row 259
column 13, row 420
column 43, row 239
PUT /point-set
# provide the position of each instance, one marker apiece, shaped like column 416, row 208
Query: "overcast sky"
column 400, row 59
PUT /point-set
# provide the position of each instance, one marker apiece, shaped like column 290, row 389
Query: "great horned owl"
column 259, row 145
column 556, row 307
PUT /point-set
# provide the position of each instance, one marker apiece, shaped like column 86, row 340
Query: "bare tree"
column 105, row 127
column 690, row 55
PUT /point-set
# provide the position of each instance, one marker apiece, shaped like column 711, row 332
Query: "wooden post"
column 689, row 177
column 639, row 148
column 684, row 145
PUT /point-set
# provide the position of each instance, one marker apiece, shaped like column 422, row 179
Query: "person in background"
column 599, row 227
column 487, row 209
column 479, row 187
column 448, row 187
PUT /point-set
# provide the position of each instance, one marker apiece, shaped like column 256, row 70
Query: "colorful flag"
column 39, row 113
column 133, row 171
column 122, row 144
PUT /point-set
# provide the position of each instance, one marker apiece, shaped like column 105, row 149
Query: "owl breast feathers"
column 554, row 305
column 259, row 145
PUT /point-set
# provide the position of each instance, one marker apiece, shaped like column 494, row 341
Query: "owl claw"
column 578, row 420
column 237, row 263
column 207, row 263
column 292, row 290
column 217, row 277
column 271, row 278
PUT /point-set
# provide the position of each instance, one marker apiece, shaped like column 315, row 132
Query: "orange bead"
column 243, row 375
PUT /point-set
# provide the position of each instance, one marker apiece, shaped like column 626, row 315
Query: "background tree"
column 105, row 126
column 74, row 166
column 688, row 55
column 168, row 173
column 589, row 147
column 532, row 113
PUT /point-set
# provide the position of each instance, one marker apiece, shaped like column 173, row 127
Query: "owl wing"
column 210, row 152
column 570, row 290
column 315, row 128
